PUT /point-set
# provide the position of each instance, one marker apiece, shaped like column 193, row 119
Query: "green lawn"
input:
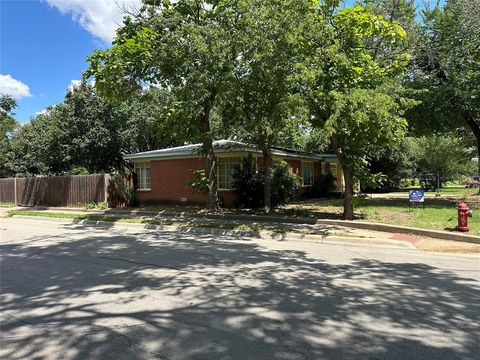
column 451, row 190
column 7, row 204
column 439, row 213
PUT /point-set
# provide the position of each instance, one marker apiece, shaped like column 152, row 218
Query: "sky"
column 44, row 44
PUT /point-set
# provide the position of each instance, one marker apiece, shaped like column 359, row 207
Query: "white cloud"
column 43, row 112
column 13, row 87
column 74, row 84
column 99, row 17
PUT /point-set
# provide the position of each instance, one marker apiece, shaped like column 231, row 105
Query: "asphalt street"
column 72, row 291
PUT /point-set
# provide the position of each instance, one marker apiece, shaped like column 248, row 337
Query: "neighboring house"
column 163, row 175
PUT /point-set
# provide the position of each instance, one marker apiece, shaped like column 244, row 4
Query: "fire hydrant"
column 463, row 214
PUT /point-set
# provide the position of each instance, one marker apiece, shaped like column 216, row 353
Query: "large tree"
column 443, row 156
column 86, row 133
column 187, row 46
column 352, row 79
column 7, row 127
column 446, row 70
column 264, row 102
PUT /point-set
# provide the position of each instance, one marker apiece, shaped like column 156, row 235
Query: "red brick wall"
column 228, row 198
column 169, row 180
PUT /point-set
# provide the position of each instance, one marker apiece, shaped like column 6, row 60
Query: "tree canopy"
column 264, row 104
column 85, row 133
column 446, row 68
column 188, row 47
column 7, row 127
column 272, row 73
column 357, row 60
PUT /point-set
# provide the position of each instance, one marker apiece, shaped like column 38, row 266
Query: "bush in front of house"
column 199, row 184
column 248, row 184
column 121, row 191
column 323, row 186
column 285, row 185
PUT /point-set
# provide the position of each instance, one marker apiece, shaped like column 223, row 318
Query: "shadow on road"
column 187, row 296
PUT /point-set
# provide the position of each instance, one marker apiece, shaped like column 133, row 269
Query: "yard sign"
column 416, row 197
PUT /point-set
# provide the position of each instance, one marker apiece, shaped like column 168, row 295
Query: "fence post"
column 106, row 178
column 15, row 190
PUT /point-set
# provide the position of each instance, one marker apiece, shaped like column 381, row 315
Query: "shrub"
column 97, row 205
column 121, row 191
column 249, row 184
column 79, row 170
column 285, row 185
column 404, row 183
column 199, row 184
column 323, row 186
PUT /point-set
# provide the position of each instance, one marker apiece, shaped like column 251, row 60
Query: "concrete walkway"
column 318, row 231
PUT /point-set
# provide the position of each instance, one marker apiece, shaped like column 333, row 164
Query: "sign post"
column 416, row 196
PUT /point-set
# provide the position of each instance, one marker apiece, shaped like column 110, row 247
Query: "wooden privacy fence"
column 71, row 190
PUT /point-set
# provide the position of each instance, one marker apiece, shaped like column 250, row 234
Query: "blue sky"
column 43, row 46
column 44, row 43
column 43, row 49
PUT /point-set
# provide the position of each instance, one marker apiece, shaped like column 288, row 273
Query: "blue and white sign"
column 416, row 196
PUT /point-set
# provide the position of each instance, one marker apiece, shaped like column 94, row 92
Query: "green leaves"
column 86, row 131
column 7, row 127
column 447, row 64
column 443, row 155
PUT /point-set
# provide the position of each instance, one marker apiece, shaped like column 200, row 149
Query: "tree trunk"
column 210, row 163
column 474, row 125
column 348, row 213
column 268, row 173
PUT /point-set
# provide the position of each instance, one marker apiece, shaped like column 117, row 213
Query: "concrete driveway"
column 78, row 292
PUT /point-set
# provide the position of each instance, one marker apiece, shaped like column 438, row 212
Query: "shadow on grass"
column 109, row 295
column 429, row 203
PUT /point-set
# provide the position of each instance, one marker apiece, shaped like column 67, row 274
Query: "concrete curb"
column 444, row 235
column 263, row 234
column 397, row 229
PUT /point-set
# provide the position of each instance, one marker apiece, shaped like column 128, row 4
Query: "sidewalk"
column 281, row 228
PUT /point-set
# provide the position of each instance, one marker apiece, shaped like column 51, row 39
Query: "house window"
column 333, row 169
column 324, row 168
column 226, row 169
column 307, row 173
column 143, row 175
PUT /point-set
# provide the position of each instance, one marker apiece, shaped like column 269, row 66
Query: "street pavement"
column 71, row 291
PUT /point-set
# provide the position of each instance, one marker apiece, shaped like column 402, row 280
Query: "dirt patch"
column 447, row 246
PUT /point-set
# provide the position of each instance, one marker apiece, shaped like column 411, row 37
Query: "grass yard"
column 451, row 190
column 439, row 213
column 7, row 204
column 392, row 208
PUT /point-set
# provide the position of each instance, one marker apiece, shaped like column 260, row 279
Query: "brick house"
column 163, row 175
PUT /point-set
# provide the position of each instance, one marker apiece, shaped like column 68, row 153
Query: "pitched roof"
column 223, row 147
